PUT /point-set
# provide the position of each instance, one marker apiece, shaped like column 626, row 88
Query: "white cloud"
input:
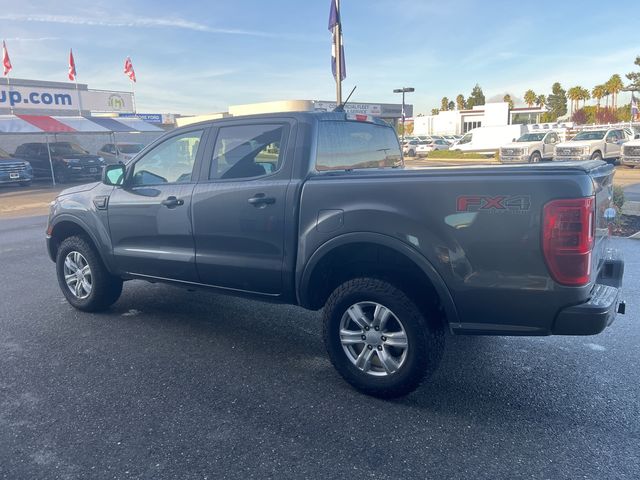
column 129, row 21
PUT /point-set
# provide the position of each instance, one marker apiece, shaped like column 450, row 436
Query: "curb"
column 635, row 236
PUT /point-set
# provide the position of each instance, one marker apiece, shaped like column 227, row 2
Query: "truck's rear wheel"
column 378, row 338
column 83, row 278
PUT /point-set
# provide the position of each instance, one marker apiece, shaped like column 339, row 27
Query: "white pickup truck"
column 605, row 144
column 530, row 148
column 631, row 153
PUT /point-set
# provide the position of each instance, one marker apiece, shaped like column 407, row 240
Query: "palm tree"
column 614, row 85
column 573, row 94
column 444, row 104
column 584, row 96
column 507, row 99
column 597, row 93
column 460, row 103
column 541, row 100
column 530, row 98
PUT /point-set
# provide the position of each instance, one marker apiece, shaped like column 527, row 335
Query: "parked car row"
column 595, row 144
column 65, row 161
column 423, row 144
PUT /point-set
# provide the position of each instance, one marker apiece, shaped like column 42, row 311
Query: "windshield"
column 597, row 135
column 531, row 137
column 67, row 148
column 4, row 154
column 130, row 147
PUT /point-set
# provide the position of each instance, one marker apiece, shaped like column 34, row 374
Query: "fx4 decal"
column 497, row 204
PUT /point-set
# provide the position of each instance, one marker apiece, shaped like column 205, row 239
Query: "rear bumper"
column 593, row 316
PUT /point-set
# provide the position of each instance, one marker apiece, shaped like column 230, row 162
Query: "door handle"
column 172, row 202
column 260, row 200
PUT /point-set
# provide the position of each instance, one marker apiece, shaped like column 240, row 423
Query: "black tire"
column 425, row 338
column 106, row 288
column 535, row 157
column 412, row 153
column 596, row 156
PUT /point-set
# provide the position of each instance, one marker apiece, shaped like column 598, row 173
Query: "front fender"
column 92, row 226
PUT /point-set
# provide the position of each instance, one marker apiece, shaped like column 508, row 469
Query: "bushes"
column 618, row 197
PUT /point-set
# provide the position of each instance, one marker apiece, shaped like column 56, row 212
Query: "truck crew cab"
column 601, row 144
column 531, row 147
column 316, row 209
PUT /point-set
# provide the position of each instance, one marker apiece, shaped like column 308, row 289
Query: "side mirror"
column 113, row 174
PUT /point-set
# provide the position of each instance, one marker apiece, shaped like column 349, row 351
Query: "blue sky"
column 201, row 56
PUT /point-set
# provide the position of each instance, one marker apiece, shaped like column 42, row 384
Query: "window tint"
column 350, row 145
column 246, row 151
column 169, row 162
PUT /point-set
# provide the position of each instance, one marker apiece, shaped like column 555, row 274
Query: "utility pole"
column 403, row 90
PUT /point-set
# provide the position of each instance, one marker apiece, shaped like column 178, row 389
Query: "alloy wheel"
column 373, row 338
column 77, row 275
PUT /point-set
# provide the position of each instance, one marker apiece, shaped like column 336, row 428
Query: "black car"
column 68, row 160
column 14, row 170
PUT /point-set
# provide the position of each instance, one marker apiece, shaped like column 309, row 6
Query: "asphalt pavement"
column 193, row 385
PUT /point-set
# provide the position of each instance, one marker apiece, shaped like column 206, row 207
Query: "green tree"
column 597, row 93
column 476, row 97
column 460, row 102
column 573, row 95
column 541, row 100
column 451, row 105
column 444, row 104
column 557, row 102
column 634, row 77
column 584, row 95
column 507, row 99
column 530, row 98
column 434, row 111
column 614, row 85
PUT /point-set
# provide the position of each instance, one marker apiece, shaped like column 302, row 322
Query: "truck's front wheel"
column 83, row 278
column 379, row 339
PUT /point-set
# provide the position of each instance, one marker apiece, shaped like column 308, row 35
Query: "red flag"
column 72, row 66
column 128, row 70
column 6, row 63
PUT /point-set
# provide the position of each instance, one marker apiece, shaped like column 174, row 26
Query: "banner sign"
column 62, row 99
column 147, row 117
column 386, row 110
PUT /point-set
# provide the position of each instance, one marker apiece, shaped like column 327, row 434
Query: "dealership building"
column 390, row 112
column 459, row 122
column 44, row 111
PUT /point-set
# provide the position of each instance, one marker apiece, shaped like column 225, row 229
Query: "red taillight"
column 567, row 239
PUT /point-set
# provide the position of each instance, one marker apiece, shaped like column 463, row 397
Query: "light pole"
column 403, row 90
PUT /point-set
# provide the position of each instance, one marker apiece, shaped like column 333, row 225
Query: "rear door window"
column 247, row 151
column 350, row 145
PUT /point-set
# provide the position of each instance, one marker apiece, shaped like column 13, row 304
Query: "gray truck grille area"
column 511, row 152
column 568, row 152
column 12, row 168
column 632, row 151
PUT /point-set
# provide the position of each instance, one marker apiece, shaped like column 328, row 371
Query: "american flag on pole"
column 334, row 22
column 72, row 66
column 128, row 70
column 6, row 63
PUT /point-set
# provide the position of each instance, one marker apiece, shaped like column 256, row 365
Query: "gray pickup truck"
column 317, row 210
